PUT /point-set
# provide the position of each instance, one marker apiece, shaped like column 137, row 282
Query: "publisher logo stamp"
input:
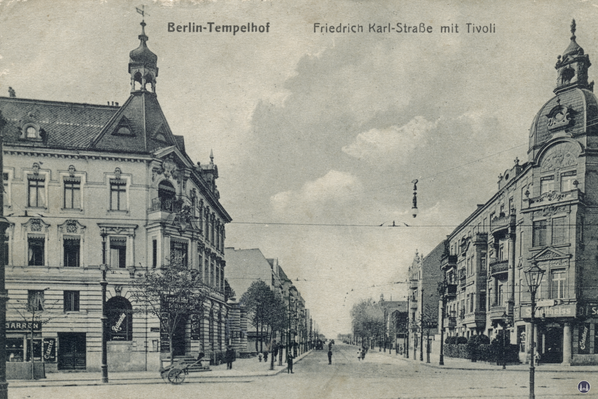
column 583, row 387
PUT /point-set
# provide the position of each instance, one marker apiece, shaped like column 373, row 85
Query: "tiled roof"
column 67, row 125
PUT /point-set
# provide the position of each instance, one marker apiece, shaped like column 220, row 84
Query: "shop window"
column 71, row 301
column 72, row 193
column 546, row 184
column 118, row 193
column 120, row 319
column 35, row 300
column 559, row 230
column 539, row 233
column 14, row 349
column 36, row 249
column 72, row 249
column 584, row 339
column 118, row 252
column 37, row 191
column 567, row 180
column 557, row 284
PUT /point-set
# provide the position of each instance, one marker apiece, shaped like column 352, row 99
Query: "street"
column 380, row 375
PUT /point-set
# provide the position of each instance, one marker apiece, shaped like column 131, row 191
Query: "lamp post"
column 504, row 341
column 414, row 209
column 104, row 283
column 442, row 291
column 533, row 277
column 3, row 293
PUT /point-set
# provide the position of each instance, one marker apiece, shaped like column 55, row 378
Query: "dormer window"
column 31, row 132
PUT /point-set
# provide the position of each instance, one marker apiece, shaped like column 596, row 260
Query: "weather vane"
column 142, row 11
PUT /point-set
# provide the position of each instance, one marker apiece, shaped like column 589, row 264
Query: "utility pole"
column 3, row 293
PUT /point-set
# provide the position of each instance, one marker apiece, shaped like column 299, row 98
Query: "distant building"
column 424, row 276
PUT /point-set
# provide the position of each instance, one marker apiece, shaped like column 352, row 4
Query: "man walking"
column 330, row 355
column 290, row 364
column 229, row 357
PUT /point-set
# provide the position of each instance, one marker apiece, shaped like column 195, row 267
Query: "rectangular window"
column 154, row 253
column 539, row 233
column 36, row 251
column 559, row 230
column 178, row 252
column 118, row 252
column 567, row 180
column 546, row 184
column 501, row 252
column 212, row 275
column 35, row 300
column 72, row 247
column 557, row 286
column 471, row 303
column 71, row 301
column 5, row 181
column 37, row 192
column 483, row 262
column 72, row 193
column 501, row 295
column 118, row 191
column 483, row 302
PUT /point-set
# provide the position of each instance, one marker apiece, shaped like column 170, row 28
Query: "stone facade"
column 87, row 185
column 543, row 213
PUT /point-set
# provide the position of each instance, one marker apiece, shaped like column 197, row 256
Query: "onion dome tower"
column 572, row 114
column 143, row 65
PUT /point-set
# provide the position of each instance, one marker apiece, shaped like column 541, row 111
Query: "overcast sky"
column 317, row 136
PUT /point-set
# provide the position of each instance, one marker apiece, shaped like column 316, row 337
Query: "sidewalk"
column 465, row 364
column 242, row 368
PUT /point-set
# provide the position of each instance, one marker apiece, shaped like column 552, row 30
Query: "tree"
column 171, row 293
column 264, row 309
column 367, row 319
column 35, row 312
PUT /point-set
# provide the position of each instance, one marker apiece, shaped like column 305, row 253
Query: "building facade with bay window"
column 545, row 212
column 86, row 185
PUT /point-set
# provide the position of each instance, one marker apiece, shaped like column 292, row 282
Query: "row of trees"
column 368, row 320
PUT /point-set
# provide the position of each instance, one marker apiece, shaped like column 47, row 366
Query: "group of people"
column 361, row 353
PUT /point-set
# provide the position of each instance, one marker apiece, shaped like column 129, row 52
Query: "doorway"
column 552, row 350
column 71, row 351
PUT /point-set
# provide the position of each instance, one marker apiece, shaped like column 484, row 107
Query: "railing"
column 166, row 204
column 448, row 261
column 499, row 266
column 451, row 290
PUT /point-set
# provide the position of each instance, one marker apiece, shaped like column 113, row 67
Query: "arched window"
column 120, row 319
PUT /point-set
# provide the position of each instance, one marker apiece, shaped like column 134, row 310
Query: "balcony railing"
column 499, row 266
column 451, row 290
column 554, row 196
column 448, row 262
column 166, row 205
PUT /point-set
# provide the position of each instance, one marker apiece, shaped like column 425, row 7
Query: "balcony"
column 171, row 205
column 451, row 291
column 448, row 262
column 497, row 312
column 500, row 224
column 499, row 267
column 552, row 197
column 450, row 322
column 475, row 319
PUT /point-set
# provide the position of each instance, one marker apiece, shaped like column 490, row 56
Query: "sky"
column 318, row 135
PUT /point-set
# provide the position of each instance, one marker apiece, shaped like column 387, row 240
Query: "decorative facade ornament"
column 169, row 168
column 117, row 172
column 36, row 225
column 72, row 171
column 35, row 168
column 118, row 289
column 559, row 117
column 560, row 156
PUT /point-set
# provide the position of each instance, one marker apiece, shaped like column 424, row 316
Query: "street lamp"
column 442, row 291
column 414, row 209
column 504, row 338
column 104, row 283
column 3, row 293
column 533, row 278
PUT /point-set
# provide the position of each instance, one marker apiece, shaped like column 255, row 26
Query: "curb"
column 88, row 382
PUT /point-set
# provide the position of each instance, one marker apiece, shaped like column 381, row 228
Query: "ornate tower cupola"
column 143, row 66
column 572, row 67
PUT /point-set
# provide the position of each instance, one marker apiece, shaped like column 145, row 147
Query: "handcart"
column 177, row 372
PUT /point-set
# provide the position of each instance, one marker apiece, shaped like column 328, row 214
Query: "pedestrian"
column 259, row 356
column 330, row 354
column 229, row 357
column 290, row 364
column 363, row 352
column 266, row 356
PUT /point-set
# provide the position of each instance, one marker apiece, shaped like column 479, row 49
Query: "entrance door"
column 178, row 338
column 553, row 345
column 71, row 351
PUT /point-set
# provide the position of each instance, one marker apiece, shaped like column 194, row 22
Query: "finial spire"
column 573, row 29
column 212, row 157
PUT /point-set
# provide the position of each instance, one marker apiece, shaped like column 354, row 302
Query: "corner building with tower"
column 544, row 213
column 86, row 185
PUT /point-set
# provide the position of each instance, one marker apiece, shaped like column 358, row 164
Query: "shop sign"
column 551, row 311
column 49, row 349
column 584, row 339
column 23, row 326
column 589, row 310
